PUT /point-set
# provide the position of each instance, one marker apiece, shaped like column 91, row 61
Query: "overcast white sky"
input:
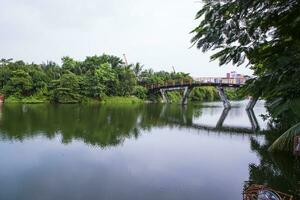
column 152, row 32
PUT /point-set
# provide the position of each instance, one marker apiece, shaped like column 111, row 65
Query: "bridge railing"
column 239, row 81
column 212, row 80
column 171, row 83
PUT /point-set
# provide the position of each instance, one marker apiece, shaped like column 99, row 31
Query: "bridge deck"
column 222, row 82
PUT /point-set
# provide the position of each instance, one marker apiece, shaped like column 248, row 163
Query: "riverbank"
column 26, row 100
column 203, row 94
column 122, row 100
column 105, row 100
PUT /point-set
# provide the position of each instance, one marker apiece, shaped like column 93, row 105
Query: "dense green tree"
column 20, row 83
column 39, row 78
column 91, row 63
column 127, row 81
column 67, row 89
column 264, row 32
column 5, row 74
column 71, row 65
column 137, row 70
column 52, row 70
column 108, row 77
column 114, row 61
column 92, row 86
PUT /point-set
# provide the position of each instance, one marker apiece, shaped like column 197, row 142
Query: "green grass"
column 87, row 100
column 121, row 100
column 26, row 100
column 105, row 100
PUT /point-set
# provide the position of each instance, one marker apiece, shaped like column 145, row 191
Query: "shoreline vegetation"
column 174, row 97
column 97, row 79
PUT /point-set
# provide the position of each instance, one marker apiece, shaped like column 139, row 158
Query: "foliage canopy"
column 75, row 81
column 265, row 34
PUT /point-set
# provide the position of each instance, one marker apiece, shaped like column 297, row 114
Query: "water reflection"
column 184, row 119
column 102, row 125
column 280, row 171
column 253, row 120
column 95, row 125
column 137, row 152
column 232, row 129
column 222, row 118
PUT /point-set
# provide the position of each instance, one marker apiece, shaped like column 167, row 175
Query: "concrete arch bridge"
column 187, row 86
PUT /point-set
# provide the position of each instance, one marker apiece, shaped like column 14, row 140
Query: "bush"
column 65, row 95
column 204, row 94
column 234, row 94
column 140, row 92
column 174, row 96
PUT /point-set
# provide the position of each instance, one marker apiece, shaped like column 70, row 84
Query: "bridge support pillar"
column 251, row 103
column 185, row 95
column 223, row 97
column 253, row 120
column 222, row 118
column 163, row 95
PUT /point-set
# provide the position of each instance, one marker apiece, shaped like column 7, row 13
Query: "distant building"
column 230, row 78
column 234, row 78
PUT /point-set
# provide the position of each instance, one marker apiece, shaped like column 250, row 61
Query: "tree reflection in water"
column 106, row 126
column 97, row 125
column 100, row 125
column 279, row 171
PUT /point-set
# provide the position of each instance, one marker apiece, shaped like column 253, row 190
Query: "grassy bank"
column 105, row 100
column 121, row 100
column 26, row 100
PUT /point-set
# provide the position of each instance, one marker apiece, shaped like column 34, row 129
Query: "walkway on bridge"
column 187, row 86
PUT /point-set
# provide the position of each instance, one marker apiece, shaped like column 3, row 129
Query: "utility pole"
column 125, row 59
column 174, row 70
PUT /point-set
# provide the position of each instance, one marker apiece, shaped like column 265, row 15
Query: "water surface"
column 50, row 152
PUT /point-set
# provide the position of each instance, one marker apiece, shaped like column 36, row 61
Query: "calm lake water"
column 52, row 152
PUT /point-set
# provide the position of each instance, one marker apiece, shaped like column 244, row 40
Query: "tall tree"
column 265, row 34
column 137, row 69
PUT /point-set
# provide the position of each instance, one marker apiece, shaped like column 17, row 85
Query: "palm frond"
column 286, row 140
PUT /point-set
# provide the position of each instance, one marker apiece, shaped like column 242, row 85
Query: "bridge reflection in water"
column 105, row 125
column 219, row 127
